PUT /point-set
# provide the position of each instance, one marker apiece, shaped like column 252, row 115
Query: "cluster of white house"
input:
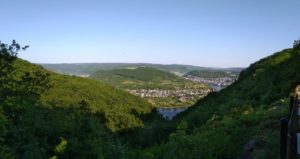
column 182, row 94
column 220, row 81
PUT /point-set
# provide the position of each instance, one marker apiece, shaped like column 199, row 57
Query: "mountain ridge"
column 89, row 68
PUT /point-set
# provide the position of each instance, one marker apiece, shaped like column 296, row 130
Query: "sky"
column 211, row 33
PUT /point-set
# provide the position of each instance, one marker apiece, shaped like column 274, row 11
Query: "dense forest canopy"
column 44, row 114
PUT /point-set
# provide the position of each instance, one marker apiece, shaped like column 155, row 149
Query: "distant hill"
column 141, row 80
column 141, row 77
column 90, row 68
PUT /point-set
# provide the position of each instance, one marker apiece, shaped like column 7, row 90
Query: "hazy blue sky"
column 217, row 33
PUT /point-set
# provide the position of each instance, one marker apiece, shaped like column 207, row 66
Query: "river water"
column 216, row 88
column 169, row 113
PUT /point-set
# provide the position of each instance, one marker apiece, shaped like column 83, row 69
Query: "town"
column 183, row 95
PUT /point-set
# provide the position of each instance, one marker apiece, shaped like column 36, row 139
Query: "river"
column 216, row 88
column 169, row 113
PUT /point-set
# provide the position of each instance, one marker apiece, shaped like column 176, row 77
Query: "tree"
column 18, row 90
column 296, row 44
column 8, row 54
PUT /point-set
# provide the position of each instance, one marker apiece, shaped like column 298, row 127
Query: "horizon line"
column 69, row 63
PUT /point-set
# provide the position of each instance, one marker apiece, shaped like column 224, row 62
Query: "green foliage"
column 60, row 148
column 18, row 91
column 46, row 115
column 297, row 44
column 62, row 133
column 119, row 109
column 18, row 88
column 142, row 78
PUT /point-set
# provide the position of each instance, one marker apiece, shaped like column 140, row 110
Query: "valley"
column 161, row 85
column 150, row 79
column 49, row 115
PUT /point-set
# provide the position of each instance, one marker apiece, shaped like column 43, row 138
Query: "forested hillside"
column 95, row 97
column 142, row 77
column 47, row 115
column 241, row 120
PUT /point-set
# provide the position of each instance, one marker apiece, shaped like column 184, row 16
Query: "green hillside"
column 142, row 80
column 224, row 124
column 141, row 77
column 96, row 97
column 47, row 115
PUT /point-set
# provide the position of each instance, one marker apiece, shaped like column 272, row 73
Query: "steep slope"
column 242, row 119
column 159, row 87
column 119, row 109
column 47, row 115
